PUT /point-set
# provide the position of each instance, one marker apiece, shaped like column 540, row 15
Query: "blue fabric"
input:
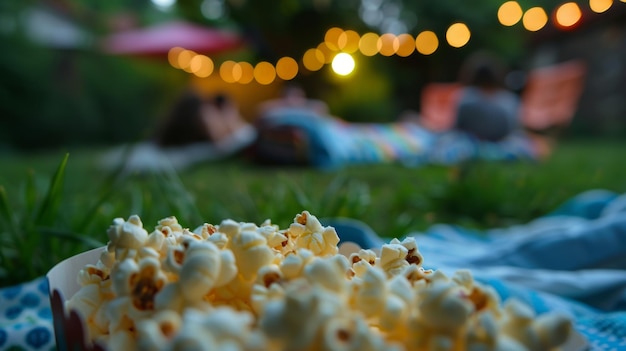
column 572, row 260
column 25, row 317
column 333, row 143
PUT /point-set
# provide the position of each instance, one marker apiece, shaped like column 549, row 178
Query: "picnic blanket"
column 572, row 260
column 328, row 143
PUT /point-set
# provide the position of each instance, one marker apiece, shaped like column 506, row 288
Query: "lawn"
column 49, row 212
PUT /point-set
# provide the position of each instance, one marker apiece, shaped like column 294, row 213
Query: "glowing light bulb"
column 534, row 19
column 458, row 35
column 510, row 13
column 343, row 64
column 286, row 68
column 567, row 14
column 369, row 44
column 264, row 73
column 426, row 42
column 599, row 6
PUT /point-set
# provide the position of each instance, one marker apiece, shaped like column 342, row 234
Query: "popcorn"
column 311, row 235
column 242, row 286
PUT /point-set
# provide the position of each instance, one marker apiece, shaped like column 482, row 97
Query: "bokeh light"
column 599, row 6
column 369, row 44
column 201, row 66
column 184, row 58
column 388, row 44
column 510, row 13
column 331, row 38
column 327, row 53
column 227, row 69
column 286, row 68
column 567, row 14
column 343, row 64
column 246, row 72
column 172, row 56
column 426, row 42
column 264, row 73
column 349, row 41
column 313, row 60
column 534, row 19
column 458, row 35
column 406, row 45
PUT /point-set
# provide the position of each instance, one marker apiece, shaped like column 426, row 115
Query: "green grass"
column 52, row 208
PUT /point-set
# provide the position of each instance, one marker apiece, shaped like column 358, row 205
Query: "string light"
column 567, row 15
column 426, row 42
column 369, row 44
column 458, row 34
column 510, row 13
column 534, row 19
column 599, row 6
column 338, row 44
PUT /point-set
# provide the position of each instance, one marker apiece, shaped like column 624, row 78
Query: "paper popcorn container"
column 68, row 327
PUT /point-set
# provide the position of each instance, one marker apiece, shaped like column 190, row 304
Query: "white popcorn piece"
column 283, row 320
column 442, row 306
column 126, row 237
column 393, row 258
column 311, row 235
column 121, row 275
column 361, row 260
column 268, row 286
column 329, row 273
column 251, row 253
column 204, row 268
column 293, row 265
column 155, row 332
column 371, row 292
column 171, row 223
column 413, row 255
column 205, row 230
column 229, row 227
column 91, row 274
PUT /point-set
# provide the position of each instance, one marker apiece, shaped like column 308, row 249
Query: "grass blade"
column 52, row 199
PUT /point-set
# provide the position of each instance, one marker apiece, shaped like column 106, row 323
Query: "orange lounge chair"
column 549, row 99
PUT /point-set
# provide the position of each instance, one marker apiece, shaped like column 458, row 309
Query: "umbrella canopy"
column 159, row 39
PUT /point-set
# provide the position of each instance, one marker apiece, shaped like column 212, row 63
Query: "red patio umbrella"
column 159, row 39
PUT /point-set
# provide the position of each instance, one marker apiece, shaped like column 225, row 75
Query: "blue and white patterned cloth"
column 26, row 317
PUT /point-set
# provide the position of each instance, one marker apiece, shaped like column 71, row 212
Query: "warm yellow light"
column 332, row 38
column 343, row 64
column 286, row 68
column 406, row 45
column 246, row 72
column 458, row 35
column 201, row 66
column 369, row 45
column 599, row 6
column 567, row 14
column 426, row 42
column 327, row 53
column 172, row 56
column 313, row 60
column 184, row 58
column 388, row 44
column 349, row 41
column 227, row 69
column 264, row 73
column 534, row 19
column 510, row 13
